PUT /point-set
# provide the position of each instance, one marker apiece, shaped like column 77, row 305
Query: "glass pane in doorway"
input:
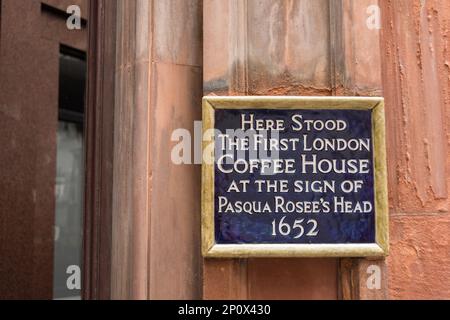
column 69, row 187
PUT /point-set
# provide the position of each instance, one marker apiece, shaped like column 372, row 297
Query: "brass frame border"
column 378, row 249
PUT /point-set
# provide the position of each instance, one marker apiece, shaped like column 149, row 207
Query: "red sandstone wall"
column 416, row 79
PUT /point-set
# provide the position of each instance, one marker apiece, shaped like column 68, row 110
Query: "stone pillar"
column 416, row 79
column 156, row 204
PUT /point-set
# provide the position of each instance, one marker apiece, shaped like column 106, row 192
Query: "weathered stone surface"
column 419, row 263
column 416, row 83
column 289, row 278
column 156, row 227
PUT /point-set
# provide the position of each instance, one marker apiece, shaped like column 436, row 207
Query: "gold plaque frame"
column 380, row 248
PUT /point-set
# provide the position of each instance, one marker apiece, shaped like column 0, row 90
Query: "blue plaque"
column 294, row 176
